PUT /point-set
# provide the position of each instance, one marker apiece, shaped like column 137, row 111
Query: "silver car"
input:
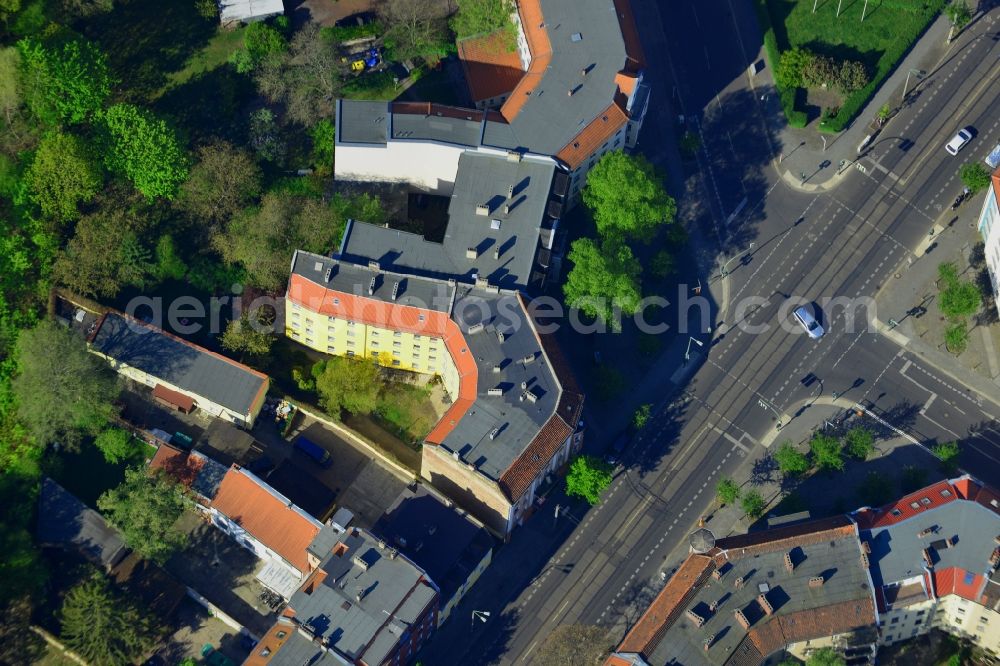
column 808, row 322
column 958, row 141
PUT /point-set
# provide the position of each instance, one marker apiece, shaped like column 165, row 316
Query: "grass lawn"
column 889, row 29
column 406, row 411
column 373, row 85
column 215, row 53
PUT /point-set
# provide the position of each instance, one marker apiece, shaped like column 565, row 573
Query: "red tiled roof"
column 490, row 69
column 178, row 464
column 270, row 643
column 175, row 398
column 591, row 137
column 784, row 538
column 532, row 22
column 830, row 620
column 954, row 580
column 649, row 630
column 267, row 518
column 913, row 504
column 516, row 479
column 630, row 33
column 371, row 311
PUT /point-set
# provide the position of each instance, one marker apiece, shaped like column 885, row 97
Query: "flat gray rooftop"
column 385, row 583
column 505, row 239
column 552, row 117
column 838, row 560
column 179, row 363
column 897, row 550
column 517, row 416
column 465, row 131
column 356, row 279
column 362, row 121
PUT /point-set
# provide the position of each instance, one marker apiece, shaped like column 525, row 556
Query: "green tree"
column 55, row 368
column 105, row 254
column 851, row 76
column 169, row 265
column 641, row 416
column 875, row 490
column 956, row 337
column 820, row 71
column 10, row 84
column 947, row 454
column 323, row 136
column 104, row 627
column 63, row 82
column 265, row 136
column 975, row 176
column 727, row 491
column 827, row 452
column 791, row 63
column 662, row 264
column 959, row 14
column 625, row 194
column 416, row 28
column 223, row 181
column 479, row 17
column 145, row 150
column 62, row 175
column 959, row 300
column 753, row 504
column 260, row 42
column 116, row 445
column 588, row 477
column 348, row 384
column 145, row 508
column 824, row 657
column 791, row 461
column 22, row 570
column 603, row 279
column 859, row 443
column 248, row 335
column 574, row 645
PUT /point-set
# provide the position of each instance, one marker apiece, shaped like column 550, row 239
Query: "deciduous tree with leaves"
column 791, row 461
column 348, row 384
column 753, row 504
column 104, row 626
column 625, row 194
column 827, row 452
column 223, row 181
column 859, row 443
column 603, row 279
column 116, row 445
column 574, row 645
column 65, row 81
column 63, row 174
column 249, row 334
column 480, row 17
column 62, row 390
column 144, row 149
column 145, row 508
column 727, row 491
column 588, row 477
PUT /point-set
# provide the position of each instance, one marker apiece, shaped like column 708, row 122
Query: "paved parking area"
column 196, row 629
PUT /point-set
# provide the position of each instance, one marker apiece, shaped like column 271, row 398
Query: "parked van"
column 320, row 455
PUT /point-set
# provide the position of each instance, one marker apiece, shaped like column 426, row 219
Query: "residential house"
column 989, row 229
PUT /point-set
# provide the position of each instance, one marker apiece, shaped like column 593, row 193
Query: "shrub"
column 727, row 491
column 851, row 76
column 827, row 453
column 753, row 504
column 819, row 71
column 641, row 416
column 956, row 337
column 947, row 453
column 860, row 443
column 975, row 176
column 794, row 67
column 791, row 461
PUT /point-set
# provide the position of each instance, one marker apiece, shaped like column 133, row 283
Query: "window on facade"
column 894, row 620
column 295, row 324
column 350, row 352
column 397, row 334
column 309, row 340
column 395, row 362
column 397, row 345
column 374, row 343
column 889, row 637
column 961, row 611
column 282, row 634
column 375, row 354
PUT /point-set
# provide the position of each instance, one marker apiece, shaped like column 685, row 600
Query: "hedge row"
column 795, row 117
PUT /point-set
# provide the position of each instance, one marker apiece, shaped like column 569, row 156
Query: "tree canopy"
column 791, row 461
column 348, row 384
column 224, row 180
column 145, row 150
column 62, row 175
column 588, row 477
column 116, row 445
column 62, row 390
column 626, row 196
column 827, row 452
column 727, row 491
column 859, row 443
column 248, row 335
column 104, row 626
column 753, row 504
column 602, row 279
column 64, row 82
column 974, row 176
column 825, row 657
column 145, row 508
column 261, row 41
column 479, row 17
column 574, row 645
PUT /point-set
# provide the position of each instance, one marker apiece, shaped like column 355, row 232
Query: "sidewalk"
column 805, row 164
column 914, row 284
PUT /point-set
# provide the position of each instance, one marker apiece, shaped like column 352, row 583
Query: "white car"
column 808, row 322
column 958, row 141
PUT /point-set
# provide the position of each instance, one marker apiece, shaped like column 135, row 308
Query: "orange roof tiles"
column 274, row 523
column 783, row 538
column 649, row 630
column 270, row 643
column 490, row 69
column 913, row 504
column 626, row 83
column 533, row 24
column 516, row 479
column 178, row 464
column 954, row 580
column 630, row 33
column 590, row 139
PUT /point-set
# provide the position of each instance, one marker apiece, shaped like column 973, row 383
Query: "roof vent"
column 483, row 210
column 506, row 210
column 495, row 223
column 816, row 581
column 476, row 328
column 395, row 290
column 510, row 191
column 471, row 253
column 328, row 274
column 513, row 156
column 500, row 336
column 530, row 358
column 494, row 391
column 496, row 368
column 576, row 37
column 374, row 265
column 454, row 454
column 494, row 433
column 371, row 287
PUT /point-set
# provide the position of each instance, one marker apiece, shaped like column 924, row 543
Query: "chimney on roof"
column 708, row 641
column 506, row 209
column 765, row 605
column 373, row 265
column 395, row 290
column 739, row 582
column 371, row 287
column 570, row 92
column 494, row 391
column 742, row 619
column 717, row 574
column 476, row 328
column 328, row 274
column 496, row 254
column 482, row 283
column 524, row 385
column 583, row 72
column 510, row 191
column 513, row 156
column 496, row 368
column 482, row 210
column 866, row 547
column 864, row 560
column 816, row 581
column 927, row 558
column 471, row 253
column 696, row 620
column 500, row 337
column 995, row 557
column 714, row 606
column 531, row 396
column 789, row 565
column 494, row 433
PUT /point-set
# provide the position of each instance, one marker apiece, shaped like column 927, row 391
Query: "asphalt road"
column 600, row 566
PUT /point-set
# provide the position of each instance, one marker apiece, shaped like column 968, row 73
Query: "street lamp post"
column 919, row 73
column 725, row 265
column 482, row 616
column 687, row 354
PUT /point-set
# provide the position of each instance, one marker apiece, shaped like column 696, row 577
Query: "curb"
column 826, row 186
column 788, row 416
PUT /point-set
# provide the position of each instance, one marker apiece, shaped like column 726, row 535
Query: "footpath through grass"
column 880, row 41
